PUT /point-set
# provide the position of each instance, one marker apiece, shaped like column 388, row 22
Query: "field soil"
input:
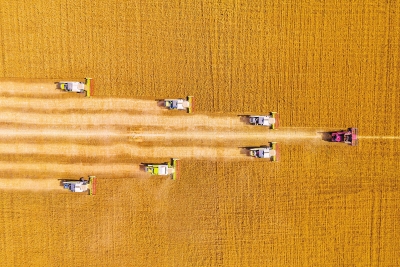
column 323, row 65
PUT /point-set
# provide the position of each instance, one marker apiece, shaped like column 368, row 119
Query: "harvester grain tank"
column 77, row 87
column 348, row 136
column 271, row 120
column 180, row 104
column 265, row 152
column 81, row 185
column 166, row 168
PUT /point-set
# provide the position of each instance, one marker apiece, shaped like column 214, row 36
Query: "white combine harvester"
column 81, row 185
column 270, row 152
column 180, row 104
column 270, row 120
column 77, row 87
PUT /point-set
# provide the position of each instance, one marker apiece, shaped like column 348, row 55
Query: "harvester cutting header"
column 179, row 104
column 78, row 87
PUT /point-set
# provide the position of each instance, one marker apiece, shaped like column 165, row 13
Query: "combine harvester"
column 343, row 136
column 180, row 104
column 78, row 87
column 270, row 120
column 81, row 185
column 165, row 168
column 263, row 152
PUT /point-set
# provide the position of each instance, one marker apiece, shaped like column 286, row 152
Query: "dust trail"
column 81, row 104
column 119, row 118
column 36, row 87
column 157, row 133
column 62, row 133
column 191, row 134
column 72, row 171
column 379, row 137
column 238, row 133
column 196, row 135
column 30, row 184
column 126, row 150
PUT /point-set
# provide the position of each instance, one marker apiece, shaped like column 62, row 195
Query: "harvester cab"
column 348, row 137
column 180, row 104
column 81, row 185
column 270, row 120
column 78, row 87
column 270, row 152
column 166, row 168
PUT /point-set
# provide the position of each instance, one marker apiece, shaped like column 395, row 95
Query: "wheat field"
column 323, row 65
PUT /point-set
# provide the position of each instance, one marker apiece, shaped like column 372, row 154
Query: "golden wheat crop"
column 321, row 64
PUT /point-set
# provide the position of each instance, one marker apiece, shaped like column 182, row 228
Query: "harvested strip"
column 30, row 184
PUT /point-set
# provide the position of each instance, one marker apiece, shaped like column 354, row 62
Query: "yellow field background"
column 321, row 64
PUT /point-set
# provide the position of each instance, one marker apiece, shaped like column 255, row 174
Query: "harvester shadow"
column 58, row 86
column 245, row 150
column 326, row 136
column 244, row 118
column 142, row 167
column 160, row 102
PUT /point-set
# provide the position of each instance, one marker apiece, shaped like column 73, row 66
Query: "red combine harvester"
column 349, row 136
